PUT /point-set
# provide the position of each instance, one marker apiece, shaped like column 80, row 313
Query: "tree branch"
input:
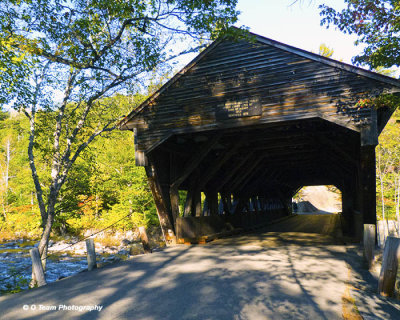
column 31, row 156
column 75, row 64
column 82, row 120
column 55, row 168
column 82, row 147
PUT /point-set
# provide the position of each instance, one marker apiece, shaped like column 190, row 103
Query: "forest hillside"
column 103, row 187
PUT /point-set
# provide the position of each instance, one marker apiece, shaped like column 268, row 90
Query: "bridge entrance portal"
column 246, row 124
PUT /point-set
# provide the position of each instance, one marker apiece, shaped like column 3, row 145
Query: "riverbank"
column 66, row 256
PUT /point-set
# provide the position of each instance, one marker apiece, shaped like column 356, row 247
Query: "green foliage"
column 111, row 42
column 385, row 71
column 388, row 166
column 14, row 67
column 103, row 187
column 22, row 220
column 391, row 101
column 19, row 282
column 376, row 23
column 325, row 51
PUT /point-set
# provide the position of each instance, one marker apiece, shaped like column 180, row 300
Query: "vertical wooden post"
column 250, row 206
column 145, row 240
column 367, row 168
column 262, row 201
column 255, row 204
column 91, row 254
column 347, row 209
column 188, row 202
column 239, row 206
column 220, row 207
column 196, row 204
column 37, row 267
column 174, row 198
column 390, row 263
column 235, row 203
column 226, row 201
column 206, row 210
column 369, row 243
column 368, row 184
column 212, row 201
column 173, row 190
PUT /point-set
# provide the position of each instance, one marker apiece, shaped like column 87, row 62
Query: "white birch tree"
column 61, row 59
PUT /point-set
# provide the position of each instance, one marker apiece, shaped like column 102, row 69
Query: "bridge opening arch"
column 325, row 199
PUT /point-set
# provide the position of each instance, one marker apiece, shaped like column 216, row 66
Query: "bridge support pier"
column 350, row 205
column 368, row 184
column 164, row 213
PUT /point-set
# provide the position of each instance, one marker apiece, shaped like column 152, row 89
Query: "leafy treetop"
column 110, row 41
column 376, row 23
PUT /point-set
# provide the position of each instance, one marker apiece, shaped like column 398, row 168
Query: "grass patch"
column 108, row 241
column 7, row 250
column 349, row 307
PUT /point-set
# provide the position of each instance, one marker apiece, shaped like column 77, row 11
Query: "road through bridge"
column 296, row 269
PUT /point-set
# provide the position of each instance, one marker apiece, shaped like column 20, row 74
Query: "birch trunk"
column 8, row 158
column 6, row 178
column 385, row 229
column 397, row 197
column 61, row 164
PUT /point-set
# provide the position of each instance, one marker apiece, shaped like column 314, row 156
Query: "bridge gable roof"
column 235, row 84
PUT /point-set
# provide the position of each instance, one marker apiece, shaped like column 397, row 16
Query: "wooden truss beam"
column 233, row 171
column 245, row 173
column 166, row 220
column 325, row 141
column 208, row 174
column 195, row 160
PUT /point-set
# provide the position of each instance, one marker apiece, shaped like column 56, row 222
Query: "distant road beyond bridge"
column 286, row 271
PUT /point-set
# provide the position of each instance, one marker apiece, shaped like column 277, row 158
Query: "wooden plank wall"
column 281, row 85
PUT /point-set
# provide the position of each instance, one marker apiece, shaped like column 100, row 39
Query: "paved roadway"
column 283, row 272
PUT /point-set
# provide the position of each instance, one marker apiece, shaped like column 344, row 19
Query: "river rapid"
column 16, row 264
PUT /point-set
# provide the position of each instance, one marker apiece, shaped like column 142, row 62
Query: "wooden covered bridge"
column 247, row 123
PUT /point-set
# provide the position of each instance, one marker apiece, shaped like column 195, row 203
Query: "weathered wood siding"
column 242, row 83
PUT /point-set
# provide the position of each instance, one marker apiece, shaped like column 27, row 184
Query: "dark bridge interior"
column 284, row 157
column 249, row 123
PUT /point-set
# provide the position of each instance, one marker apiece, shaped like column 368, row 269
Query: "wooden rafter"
column 195, row 160
column 245, row 173
column 227, row 178
column 209, row 174
column 325, row 141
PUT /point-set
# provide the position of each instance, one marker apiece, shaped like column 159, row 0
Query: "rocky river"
column 64, row 260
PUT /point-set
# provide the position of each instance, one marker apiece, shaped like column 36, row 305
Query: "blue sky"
column 297, row 25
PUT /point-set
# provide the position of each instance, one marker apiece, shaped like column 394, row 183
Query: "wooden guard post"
column 390, row 263
column 37, row 267
column 369, row 243
column 91, row 254
column 145, row 240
